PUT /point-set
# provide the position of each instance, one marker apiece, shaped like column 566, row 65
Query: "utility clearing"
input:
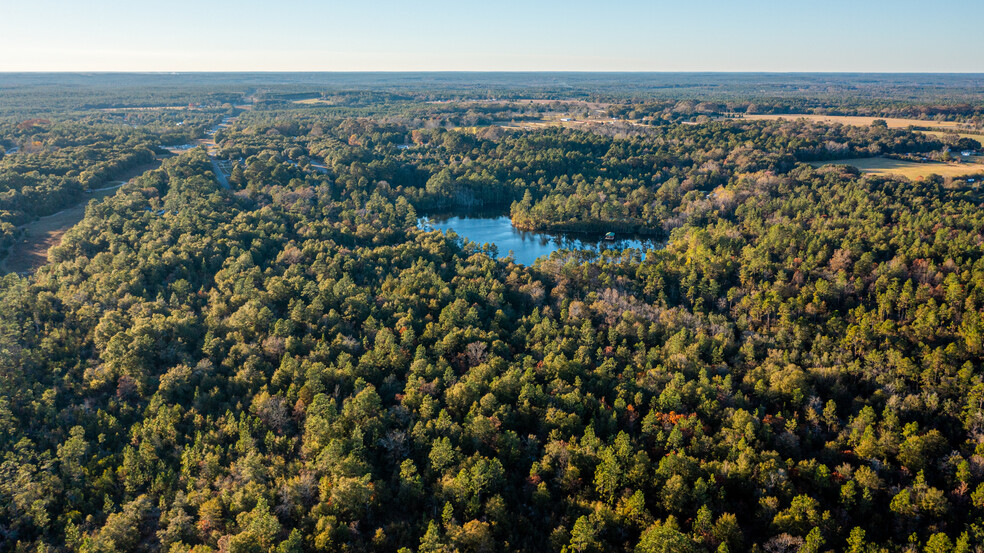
column 30, row 251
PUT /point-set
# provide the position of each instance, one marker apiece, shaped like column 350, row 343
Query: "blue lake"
column 528, row 246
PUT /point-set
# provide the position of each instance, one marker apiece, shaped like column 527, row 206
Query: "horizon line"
column 473, row 71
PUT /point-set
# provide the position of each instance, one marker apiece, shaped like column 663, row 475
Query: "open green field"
column 910, row 169
column 977, row 137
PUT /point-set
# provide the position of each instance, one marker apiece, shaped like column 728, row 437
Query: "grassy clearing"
column 977, row 137
column 893, row 122
column 909, row 169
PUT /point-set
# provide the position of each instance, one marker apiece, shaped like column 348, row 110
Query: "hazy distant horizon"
column 480, row 71
column 113, row 88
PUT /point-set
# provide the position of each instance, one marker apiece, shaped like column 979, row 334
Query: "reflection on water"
column 527, row 246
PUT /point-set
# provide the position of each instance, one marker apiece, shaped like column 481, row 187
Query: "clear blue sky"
column 570, row 35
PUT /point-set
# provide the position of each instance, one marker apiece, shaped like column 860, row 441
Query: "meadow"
column 909, row 169
column 892, row 122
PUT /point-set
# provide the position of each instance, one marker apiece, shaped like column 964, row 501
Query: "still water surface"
column 525, row 245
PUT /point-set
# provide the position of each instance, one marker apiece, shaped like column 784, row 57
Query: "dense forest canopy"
column 253, row 346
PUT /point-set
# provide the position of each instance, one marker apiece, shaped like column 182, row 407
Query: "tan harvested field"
column 528, row 101
column 555, row 121
column 909, row 169
column 893, row 122
column 313, row 101
column 147, row 108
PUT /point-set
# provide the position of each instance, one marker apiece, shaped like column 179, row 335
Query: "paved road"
column 212, row 148
column 219, row 175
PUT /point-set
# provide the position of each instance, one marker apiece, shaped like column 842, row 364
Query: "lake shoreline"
column 528, row 246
